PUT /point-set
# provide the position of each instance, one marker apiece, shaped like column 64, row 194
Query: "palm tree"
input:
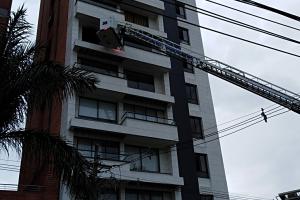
column 27, row 83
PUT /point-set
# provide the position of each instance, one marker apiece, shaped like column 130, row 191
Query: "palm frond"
column 62, row 158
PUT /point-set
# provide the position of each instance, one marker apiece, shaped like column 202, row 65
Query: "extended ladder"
column 228, row 73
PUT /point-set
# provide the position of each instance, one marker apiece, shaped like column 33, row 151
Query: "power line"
column 212, row 30
column 232, row 21
column 274, row 10
column 253, row 15
column 207, row 141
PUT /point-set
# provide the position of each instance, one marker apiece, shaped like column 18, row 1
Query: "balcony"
column 125, row 173
column 135, row 129
column 117, row 82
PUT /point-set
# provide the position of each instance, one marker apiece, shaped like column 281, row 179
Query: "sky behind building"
column 261, row 160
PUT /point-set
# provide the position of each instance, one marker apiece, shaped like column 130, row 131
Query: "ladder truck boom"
column 270, row 91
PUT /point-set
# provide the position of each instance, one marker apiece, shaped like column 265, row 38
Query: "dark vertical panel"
column 187, row 168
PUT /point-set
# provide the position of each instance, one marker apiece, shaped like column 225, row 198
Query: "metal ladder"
column 228, row 73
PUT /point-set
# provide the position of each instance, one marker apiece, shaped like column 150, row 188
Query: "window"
column 184, row 35
column 202, row 165
column 146, row 160
column 107, row 194
column 136, row 19
column 106, row 150
column 188, row 67
column 147, row 195
column 140, row 81
column 196, row 126
column 180, row 11
column 101, row 110
column 89, row 34
column 191, row 93
column 206, row 197
column 144, row 113
column 99, row 67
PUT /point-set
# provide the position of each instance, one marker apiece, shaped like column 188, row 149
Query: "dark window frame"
column 94, row 142
column 192, row 93
column 87, row 35
column 141, row 158
column 135, row 17
column 206, row 197
column 199, row 165
column 139, row 79
column 181, row 31
column 197, row 134
column 98, row 118
column 180, row 5
column 150, row 192
column 188, row 67
column 100, row 66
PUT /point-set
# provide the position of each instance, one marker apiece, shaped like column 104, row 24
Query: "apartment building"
column 148, row 109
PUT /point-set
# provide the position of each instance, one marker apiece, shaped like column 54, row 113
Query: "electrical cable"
column 274, row 10
column 232, row 21
column 250, row 14
column 212, row 30
column 207, row 141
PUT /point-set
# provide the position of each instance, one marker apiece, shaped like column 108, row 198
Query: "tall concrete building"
column 148, row 107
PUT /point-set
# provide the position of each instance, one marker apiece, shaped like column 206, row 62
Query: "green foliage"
column 28, row 82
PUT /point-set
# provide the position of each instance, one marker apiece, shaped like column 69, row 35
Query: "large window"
column 184, row 35
column 191, row 93
column 188, row 67
column 100, row 110
column 144, row 113
column 136, row 19
column 106, row 150
column 202, row 165
column 147, row 195
column 108, row 194
column 145, row 159
column 89, row 34
column 206, row 197
column 99, row 67
column 180, row 10
column 196, row 126
column 140, row 81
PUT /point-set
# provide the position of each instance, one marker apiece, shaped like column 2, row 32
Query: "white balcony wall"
column 129, row 127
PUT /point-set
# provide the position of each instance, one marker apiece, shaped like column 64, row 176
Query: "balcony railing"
column 148, row 118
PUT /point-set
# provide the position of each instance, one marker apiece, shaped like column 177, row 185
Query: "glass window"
column 107, row 111
column 108, row 150
column 144, row 113
column 150, row 160
column 145, row 159
column 99, row 67
column 89, row 34
column 188, row 67
column 147, row 195
column 136, row 19
column 202, row 165
column 87, row 108
column 107, row 194
column 191, row 93
column 131, row 195
column 180, row 11
column 196, row 126
column 97, row 109
column 84, row 146
column 206, row 197
column 140, row 81
column 184, row 35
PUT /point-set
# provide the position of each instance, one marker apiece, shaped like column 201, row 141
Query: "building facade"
column 148, row 109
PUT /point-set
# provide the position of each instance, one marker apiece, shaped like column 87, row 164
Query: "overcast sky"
column 261, row 160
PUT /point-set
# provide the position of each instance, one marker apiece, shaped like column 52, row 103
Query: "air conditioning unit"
column 108, row 33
